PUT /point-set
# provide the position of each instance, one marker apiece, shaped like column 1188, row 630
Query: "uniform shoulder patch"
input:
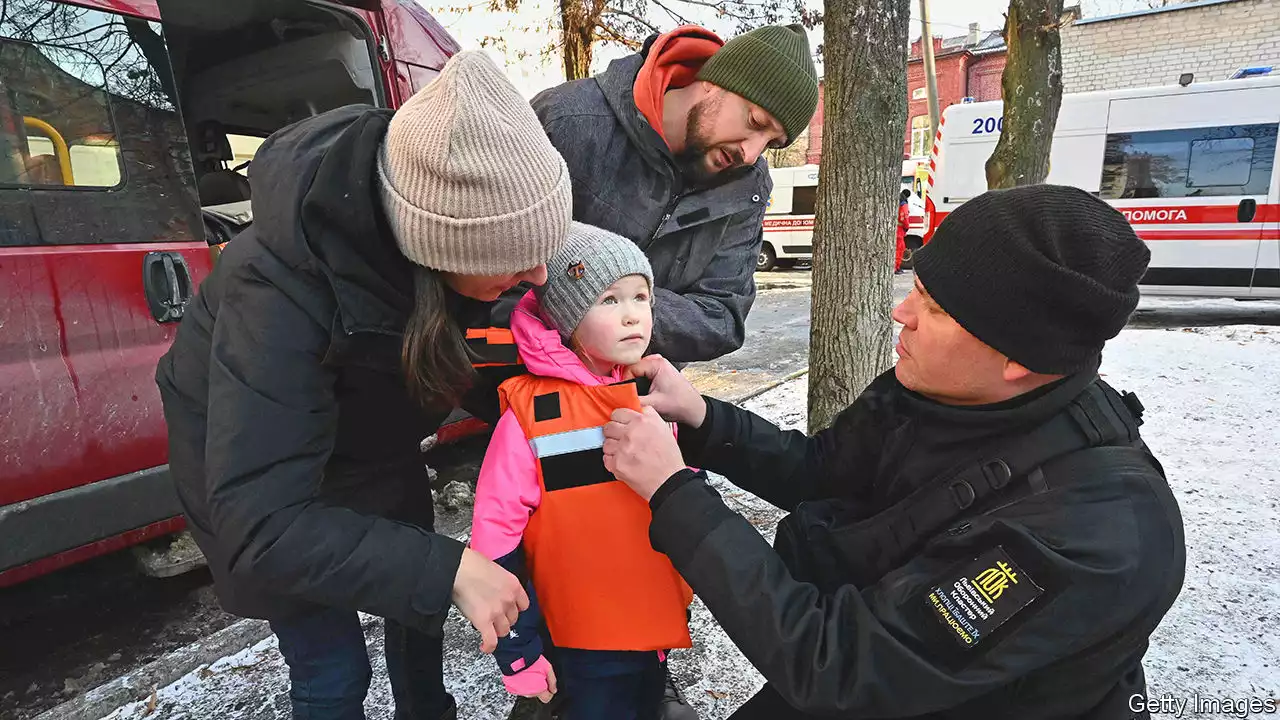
column 975, row 598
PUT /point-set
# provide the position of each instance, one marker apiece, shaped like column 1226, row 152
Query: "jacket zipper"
column 671, row 208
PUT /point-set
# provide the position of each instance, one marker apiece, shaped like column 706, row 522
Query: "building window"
column 920, row 93
column 1198, row 162
column 921, row 136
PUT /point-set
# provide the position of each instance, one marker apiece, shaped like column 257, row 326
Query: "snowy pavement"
column 1213, row 418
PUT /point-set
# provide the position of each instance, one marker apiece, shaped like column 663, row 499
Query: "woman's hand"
column 488, row 596
column 670, row 393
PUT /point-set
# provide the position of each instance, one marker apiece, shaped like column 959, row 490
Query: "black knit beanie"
column 1046, row 274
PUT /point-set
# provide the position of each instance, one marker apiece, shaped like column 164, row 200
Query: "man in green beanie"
column 665, row 148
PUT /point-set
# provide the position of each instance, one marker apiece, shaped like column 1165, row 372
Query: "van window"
column 1197, row 162
column 87, row 106
column 804, row 199
column 59, row 106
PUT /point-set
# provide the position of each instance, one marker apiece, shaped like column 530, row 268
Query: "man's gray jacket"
column 702, row 241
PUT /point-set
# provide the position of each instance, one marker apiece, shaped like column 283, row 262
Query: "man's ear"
column 1015, row 372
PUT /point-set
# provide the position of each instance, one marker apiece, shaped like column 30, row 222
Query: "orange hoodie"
column 673, row 62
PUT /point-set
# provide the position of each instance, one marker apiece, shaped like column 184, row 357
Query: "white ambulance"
column 1192, row 167
column 788, row 220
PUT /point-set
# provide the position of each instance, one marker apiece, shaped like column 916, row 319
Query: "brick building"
column 1211, row 39
column 967, row 65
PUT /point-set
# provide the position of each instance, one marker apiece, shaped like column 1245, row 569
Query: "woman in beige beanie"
column 326, row 343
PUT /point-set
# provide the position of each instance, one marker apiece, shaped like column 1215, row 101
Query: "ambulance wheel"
column 767, row 259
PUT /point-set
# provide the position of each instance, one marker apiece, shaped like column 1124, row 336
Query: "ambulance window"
column 1223, row 161
column 1195, row 162
column 804, row 199
column 92, row 148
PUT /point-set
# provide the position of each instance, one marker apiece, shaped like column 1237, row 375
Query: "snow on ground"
column 1213, row 418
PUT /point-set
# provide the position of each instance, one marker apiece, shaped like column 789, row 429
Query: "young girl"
column 547, row 509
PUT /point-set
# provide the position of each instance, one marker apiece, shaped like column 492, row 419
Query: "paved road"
column 777, row 341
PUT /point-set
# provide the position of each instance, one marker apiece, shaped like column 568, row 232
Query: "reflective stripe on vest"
column 492, row 347
column 564, row 443
column 600, row 584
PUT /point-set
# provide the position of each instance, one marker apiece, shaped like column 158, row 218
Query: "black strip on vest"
column 483, row 352
column 507, row 354
column 546, row 407
column 642, row 385
column 693, row 217
column 578, row 469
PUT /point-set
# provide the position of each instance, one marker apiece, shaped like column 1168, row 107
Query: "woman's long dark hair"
column 436, row 363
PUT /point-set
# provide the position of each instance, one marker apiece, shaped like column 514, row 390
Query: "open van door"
column 1266, row 278
column 100, row 249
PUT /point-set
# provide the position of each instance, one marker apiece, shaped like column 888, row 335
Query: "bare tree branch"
column 674, row 15
column 637, row 18
column 615, row 36
column 724, row 11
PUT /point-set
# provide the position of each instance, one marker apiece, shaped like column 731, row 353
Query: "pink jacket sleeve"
column 507, row 492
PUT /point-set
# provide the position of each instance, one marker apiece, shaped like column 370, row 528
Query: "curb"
column 762, row 389
column 106, row 698
column 109, row 696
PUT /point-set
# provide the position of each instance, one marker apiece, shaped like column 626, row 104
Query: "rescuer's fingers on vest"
column 670, row 392
column 649, row 366
column 640, row 450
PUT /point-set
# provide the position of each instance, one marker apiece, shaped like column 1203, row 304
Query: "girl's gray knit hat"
column 468, row 178
column 590, row 261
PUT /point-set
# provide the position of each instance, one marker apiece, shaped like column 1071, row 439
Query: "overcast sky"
column 531, row 73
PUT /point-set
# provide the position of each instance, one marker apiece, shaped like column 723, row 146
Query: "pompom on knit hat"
column 773, row 68
column 468, row 178
column 1045, row 274
column 590, row 261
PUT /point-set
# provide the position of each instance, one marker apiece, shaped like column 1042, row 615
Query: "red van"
column 125, row 127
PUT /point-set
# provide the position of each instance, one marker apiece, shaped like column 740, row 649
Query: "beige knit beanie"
column 469, row 180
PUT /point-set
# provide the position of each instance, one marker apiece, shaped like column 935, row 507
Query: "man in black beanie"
column 982, row 534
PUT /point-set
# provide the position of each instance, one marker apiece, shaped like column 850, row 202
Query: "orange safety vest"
column 492, row 347
column 600, row 584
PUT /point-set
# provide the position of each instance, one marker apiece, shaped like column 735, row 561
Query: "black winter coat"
column 293, row 442
column 1095, row 548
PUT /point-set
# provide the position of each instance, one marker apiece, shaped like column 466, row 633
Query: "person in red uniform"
column 904, row 220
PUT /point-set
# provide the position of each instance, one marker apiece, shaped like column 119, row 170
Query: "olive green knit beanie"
column 772, row 67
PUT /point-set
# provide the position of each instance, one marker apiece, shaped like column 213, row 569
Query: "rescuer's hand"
column 640, row 450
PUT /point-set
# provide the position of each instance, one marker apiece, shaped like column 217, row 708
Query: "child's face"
column 616, row 330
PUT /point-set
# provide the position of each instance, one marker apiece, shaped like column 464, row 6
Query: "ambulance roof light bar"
column 1251, row 72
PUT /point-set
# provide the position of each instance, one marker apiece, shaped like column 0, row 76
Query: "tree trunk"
column 851, row 336
column 577, row 27
column 1032, row 87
